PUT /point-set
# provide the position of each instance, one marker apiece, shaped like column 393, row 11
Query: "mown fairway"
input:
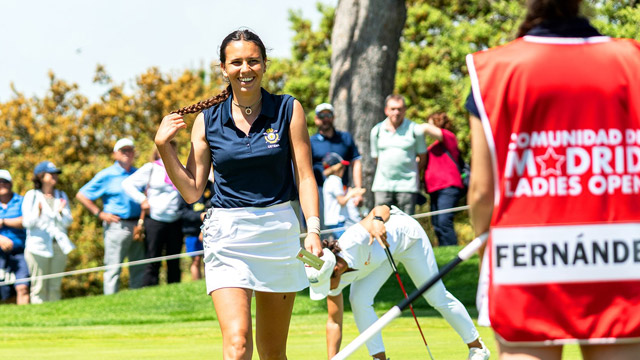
column 178, row 322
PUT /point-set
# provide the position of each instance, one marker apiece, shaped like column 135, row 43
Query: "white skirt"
column 253, row 248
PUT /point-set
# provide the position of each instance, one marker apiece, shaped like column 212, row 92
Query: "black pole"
column 414, row 295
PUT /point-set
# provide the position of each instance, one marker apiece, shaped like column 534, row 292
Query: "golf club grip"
column 391, row 261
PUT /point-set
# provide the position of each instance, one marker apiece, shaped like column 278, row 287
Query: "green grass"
column 178, row 322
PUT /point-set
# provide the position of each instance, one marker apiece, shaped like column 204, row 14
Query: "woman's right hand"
column 168, row 128
column 313, row 244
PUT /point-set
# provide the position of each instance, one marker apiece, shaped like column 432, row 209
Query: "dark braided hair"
column 332, row 246
column 204, row 104
column 540, row 10
column 238, row 35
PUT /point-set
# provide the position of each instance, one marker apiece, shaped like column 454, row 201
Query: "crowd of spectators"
column 405, row 168
column 34, row 239
column 33, row 229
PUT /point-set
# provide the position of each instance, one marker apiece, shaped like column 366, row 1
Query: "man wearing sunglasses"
column 328, row 140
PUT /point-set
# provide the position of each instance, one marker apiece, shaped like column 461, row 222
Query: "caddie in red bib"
column 564, row 248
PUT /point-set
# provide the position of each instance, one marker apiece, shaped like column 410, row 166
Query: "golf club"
column 395, row 271
column 395, row 311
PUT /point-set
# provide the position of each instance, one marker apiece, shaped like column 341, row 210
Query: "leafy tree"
column 432, row 72
column 616, row 18
column 78, row 136
column 307, row 73
column 365, row 40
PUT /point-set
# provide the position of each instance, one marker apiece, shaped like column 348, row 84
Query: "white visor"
column 320, row 280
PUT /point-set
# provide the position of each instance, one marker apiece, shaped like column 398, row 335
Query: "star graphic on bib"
column 550, row 163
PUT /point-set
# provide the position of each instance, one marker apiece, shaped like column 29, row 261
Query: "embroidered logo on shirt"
column 271, row 137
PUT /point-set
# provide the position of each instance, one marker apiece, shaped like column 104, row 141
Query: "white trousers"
column 421, row 264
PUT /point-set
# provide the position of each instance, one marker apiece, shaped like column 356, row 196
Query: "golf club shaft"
column 424, row 340
column 395, row 270
column 395, row 311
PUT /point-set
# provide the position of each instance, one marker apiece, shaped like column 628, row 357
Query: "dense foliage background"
column 77, row 134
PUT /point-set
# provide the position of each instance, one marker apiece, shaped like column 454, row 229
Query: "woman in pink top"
column 442, row 177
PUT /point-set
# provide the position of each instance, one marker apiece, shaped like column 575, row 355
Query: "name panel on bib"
column 566, row 254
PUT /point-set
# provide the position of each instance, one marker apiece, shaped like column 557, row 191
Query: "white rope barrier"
column 418, row 216
column 105, row 267
column 12, row 279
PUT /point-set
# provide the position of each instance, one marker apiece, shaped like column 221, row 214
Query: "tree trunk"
column 365, row 42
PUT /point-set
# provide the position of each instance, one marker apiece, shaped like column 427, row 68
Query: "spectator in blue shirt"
column 12, row 238
column 118, row 215
column 329, row 140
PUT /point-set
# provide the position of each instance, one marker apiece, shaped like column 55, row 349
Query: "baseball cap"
column 46, row 167
column 333, row 158
column 5, row 175
column 320, row 280
column 324, row 106
column 124, row 142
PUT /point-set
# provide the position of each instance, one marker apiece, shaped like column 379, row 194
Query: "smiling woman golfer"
column 554, row 132
column 365, row 268
column 254, row 141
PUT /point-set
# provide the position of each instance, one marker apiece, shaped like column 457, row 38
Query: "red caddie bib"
column 562, row 119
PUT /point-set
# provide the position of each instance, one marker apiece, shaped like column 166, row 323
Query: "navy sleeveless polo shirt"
column 253, row 170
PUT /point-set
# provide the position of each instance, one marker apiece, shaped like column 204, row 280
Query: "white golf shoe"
column 478, row 353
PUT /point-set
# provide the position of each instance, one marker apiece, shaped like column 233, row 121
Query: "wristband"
column 379, row 218
column 98, row 214
column 313, row 225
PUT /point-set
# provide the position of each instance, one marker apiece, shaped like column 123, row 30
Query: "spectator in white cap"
column 119, row 215
column 46, row 216
column 358, row 260
column 339, row 206
column 12, row 236
column 329, row 140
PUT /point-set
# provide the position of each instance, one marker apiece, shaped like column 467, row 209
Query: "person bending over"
column 356, row 260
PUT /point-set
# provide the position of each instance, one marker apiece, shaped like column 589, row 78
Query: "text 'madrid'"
column 570, row 162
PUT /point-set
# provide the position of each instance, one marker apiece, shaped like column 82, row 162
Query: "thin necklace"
column 247, row 109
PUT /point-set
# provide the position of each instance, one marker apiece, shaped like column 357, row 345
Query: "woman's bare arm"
column 192, row 179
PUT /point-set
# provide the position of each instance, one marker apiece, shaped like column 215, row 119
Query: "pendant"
column 248, row 111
